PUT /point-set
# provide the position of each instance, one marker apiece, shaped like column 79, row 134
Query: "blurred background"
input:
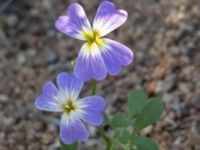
column 165, row 37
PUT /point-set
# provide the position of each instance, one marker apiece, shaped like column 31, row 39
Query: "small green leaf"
column 122, row 136
column 136, row 101
column 150, row 113
column 143, row 143
column 119, row 120
column 68, row 147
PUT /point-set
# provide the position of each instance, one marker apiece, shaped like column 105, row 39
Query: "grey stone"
column 51, row 58
column 4, row 98
column 196, row 102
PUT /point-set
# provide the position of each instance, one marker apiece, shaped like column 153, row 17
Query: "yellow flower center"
column 93, row 37
column 69, row 107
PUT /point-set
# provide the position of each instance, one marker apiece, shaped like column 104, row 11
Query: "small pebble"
column 4, row 98
column 51, row 58
column 196, row 102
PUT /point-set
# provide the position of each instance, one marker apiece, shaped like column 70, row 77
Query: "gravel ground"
column 165, row 37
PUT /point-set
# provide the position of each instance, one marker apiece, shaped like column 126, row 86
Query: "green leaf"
column 122, row 136
column 119, row 120
column 68, row 147
column 150, row 113
column 136, row 101
column 143, row 143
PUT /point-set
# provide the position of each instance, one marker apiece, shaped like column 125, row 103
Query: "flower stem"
column 68, row 147
column 100, row 129
column 124, row 147
column 133, row 135
column 110, row 140
column 105, row 137
column 94, row 87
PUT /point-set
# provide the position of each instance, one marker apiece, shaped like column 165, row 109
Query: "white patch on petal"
column 90, row 50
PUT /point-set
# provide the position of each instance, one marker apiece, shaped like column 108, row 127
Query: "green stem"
column 105, row 137
column 94, row 87
column 109, row 140
column 68, row 147
column 101, row 130
column 133, row 135
column 124, row 147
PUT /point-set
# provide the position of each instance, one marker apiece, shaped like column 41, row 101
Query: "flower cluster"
column 98, row 57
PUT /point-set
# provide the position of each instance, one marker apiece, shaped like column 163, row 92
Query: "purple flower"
column 64, row 98
column 98, row 56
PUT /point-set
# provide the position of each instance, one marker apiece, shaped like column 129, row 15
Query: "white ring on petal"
column 89, row 63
